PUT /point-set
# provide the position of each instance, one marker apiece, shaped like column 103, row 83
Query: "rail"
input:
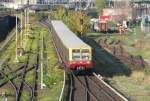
column 84, row 88
column 45, row 24
column 119, row 96
column 63, row 87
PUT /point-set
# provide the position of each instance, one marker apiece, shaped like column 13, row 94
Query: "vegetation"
column 77, row 21
column 61, row 13
column 100, row 4
column 135, row 86
column 53, row 76
column 147, row 70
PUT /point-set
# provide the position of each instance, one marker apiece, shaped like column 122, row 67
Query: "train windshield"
column 76, row 54
column 85, row 54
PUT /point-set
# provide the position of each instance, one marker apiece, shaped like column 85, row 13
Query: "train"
column 74, row 53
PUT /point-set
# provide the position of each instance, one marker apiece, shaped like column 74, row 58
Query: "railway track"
column 78, row 89
column 19, row 76
column 84, row 88
column 16, row 88
column 35, row 74
column 90, row 88
column 10, row 81
column 23, row 83
column 32, row 87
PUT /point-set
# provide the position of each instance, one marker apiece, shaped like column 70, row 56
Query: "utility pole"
column 21, row 25
column 27, row 14
column 21, row 34
column 25, row 21
column 28, row 21
column 17, row 38
column 80, row 4
column 42, row 61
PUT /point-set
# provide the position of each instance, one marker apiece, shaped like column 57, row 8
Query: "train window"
column 76, row 51
column 85, row 54
column 85, row 51
column 76, row 54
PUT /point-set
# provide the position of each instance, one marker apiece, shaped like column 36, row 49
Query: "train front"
column 80, row 59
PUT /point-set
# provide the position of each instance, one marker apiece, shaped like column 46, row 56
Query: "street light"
column 16, row 38
column 21, row 25
column 42, row 65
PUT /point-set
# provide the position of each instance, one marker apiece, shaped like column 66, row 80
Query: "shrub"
column 23, row 58
column 48, row 80
column 147, row 70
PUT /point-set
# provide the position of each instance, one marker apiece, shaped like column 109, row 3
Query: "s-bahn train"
column 73, row 52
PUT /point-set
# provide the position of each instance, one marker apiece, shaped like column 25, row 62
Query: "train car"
column 100, row 26
column 74, row 53
column 103, row 26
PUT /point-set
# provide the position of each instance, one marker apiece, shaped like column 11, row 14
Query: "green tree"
column 60, row 13
column 100, row 4
column 78, row 22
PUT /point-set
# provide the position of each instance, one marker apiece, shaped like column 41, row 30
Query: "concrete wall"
column 7, row 23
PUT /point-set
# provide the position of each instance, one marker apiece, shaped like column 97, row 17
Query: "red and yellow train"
column 73, row 52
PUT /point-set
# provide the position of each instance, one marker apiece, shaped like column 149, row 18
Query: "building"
column 18, row 3
column 141, row 8
column 119, row 10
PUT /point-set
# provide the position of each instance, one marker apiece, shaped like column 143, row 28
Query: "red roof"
column 103, row 17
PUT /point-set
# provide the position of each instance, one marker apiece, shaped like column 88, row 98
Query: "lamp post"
column 16, row 38
column 21, row 26
column 42, row 61
column 25, row 21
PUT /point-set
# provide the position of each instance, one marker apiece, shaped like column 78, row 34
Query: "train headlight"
column 88, row 62
column 72, row 62
column 81, row 62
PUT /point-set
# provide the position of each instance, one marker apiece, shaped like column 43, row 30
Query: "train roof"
column 69, row 39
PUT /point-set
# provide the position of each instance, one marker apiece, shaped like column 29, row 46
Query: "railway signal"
column 42, row 65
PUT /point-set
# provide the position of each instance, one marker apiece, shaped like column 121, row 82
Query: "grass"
column 51, row 93
column 141, row 45
column 6, row 89
column 9, row 50
column 136, row 86
column 53, row 76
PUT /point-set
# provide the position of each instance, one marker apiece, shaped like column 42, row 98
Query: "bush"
column 55, row 77
column 48, row 80
column 147, row 70
column 23, row 58
column 77, row 21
